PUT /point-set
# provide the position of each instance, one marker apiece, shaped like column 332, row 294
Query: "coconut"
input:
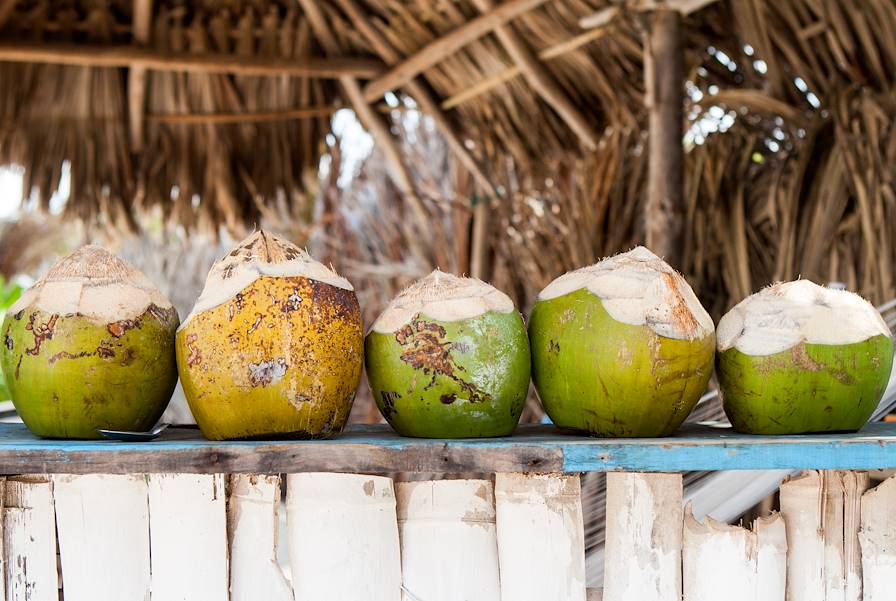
column 796, row 357
column 273, row 346
column 449, row 358
column 90, row 346
column 621, row 348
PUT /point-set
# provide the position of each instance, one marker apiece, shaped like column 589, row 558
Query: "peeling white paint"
column 541, row 538
column 29, row 539
column 252, row 525
column 642, row 552
column 449, row 546
column 877, row 538
column 103, row 526
column 343, row 537
column 188, row 537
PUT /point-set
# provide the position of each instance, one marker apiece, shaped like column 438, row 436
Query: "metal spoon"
column 134, row 436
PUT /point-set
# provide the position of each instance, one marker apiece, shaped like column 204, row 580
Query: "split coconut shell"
column 449, row 358
column 797, row 357
column 273, row 347
column 622, row 348
column 90, row 346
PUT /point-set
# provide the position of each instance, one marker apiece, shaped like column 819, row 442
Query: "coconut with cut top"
column 449, row 358
column 90, row 346
column 622, row 348
column 273, row 347
column 797, row 357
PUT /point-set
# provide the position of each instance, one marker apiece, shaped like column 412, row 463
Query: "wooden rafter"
column 125, row 56
column 310, row 112
column 6, row 8
column 445, row 46
column 497, row 79
column 419, row 92
column 541, row 81
column 369, row 118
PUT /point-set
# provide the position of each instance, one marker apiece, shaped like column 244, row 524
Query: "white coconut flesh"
column 638, row 288
column 442, row 297
column 784, row 315
column 260, row 255
column 93, row 283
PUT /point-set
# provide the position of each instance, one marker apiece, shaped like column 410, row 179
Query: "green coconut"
column 622, row 348
column 449, row 358
column 796, row 357
column 90, row 346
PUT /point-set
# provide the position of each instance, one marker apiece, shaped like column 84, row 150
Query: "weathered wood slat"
column 127, row 56
column 376, row 450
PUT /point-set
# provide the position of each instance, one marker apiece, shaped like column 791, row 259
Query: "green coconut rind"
column 69, row 376
column 461, row 379
column 808, row 388
column 597, row 375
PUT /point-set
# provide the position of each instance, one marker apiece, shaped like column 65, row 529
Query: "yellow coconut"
column 273, row 347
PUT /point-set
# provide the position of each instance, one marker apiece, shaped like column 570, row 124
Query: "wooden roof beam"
column 419, row 92
column 443, row 47
column 137, row 74
column 369, row 117
column 497, row 79
column 6, row 9
column 541, row 80
column 126, row 56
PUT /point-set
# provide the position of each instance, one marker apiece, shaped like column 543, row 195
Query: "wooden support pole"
column 481, row 241
column 642, row 553
column 541, row 80
column 541, row 537
column 664, row 84
column 369, row 118
column 142, row 22
column 442, row 47
column 126, row 56
column 438, row 519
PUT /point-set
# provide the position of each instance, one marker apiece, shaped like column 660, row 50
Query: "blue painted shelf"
column 376, row 449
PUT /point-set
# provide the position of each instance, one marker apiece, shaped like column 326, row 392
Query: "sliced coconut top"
column 785, row 314
column 94, row 283
column 444, row 297
column 638, row 288
column 261, row 254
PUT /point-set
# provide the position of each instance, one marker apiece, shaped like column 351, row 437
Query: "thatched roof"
column 539, row 103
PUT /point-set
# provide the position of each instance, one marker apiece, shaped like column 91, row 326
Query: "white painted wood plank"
column 252, row 524
column 449, row 545
column 843, row 563
column 802, row 505
column 643, row 537
column 103, row 527
column 2, row 548
column 718, row 557
column 541, row 539
column 188, row 537
column 771, row 562
column 343, row 537
column 29, row 532
column 878, row 541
